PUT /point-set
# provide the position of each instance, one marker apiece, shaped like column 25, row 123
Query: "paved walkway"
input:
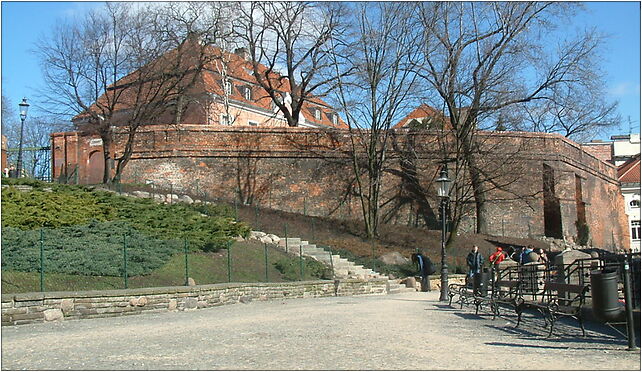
column 396, row 332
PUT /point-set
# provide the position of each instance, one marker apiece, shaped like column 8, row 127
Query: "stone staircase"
column 343, row 268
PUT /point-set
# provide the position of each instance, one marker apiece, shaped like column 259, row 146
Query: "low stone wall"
column 37, row 307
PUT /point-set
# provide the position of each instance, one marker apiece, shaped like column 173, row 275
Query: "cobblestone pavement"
column 396, row 332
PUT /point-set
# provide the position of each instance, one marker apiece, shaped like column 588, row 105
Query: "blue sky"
column 24, row 22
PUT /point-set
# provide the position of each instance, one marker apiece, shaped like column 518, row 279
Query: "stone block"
column 567, row 257
column 394, row 258
column 28, row 316
column 29, row 303
column 142, row 301
column 53, row 315
column 410, row 282
column 191, row 303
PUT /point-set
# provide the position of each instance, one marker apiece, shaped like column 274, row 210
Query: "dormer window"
column 335, row 118
column 248, row 93
column 317, row 114
column 228, row 87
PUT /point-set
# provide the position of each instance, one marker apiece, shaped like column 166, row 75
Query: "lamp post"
column 24, row 106
column 443, row 187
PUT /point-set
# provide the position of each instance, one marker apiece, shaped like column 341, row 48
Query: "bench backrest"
column 507, row 283
column 564, row 292
column 563, row 287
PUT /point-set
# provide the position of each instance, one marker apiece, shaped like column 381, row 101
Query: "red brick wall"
column 602, row 151
column 297, row 169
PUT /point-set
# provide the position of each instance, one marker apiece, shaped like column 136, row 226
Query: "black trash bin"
column 604, row 296
column 481, row 282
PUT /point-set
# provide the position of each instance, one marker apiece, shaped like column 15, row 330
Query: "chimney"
column 243, row 53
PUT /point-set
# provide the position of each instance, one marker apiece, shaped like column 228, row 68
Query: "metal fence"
column 533, row 276
column 285, row 224
column 45, row 260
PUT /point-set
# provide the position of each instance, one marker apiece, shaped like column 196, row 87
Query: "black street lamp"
column 24, row 106
column 443, row 187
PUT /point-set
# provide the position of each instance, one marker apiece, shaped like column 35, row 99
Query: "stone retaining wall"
column 37, row 307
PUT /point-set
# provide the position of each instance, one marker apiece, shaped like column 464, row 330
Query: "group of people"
column 475, row 261
column 528, row 254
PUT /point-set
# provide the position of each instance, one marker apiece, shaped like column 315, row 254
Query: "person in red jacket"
column 495, row 259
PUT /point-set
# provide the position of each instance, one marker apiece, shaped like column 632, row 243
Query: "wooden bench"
column 557, row 300
column 506, row 292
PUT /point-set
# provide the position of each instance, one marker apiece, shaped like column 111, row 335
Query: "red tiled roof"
column 239, row 73
column 421, row 112
column 629, row 172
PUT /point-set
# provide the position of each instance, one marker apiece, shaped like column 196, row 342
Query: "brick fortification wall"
column 297, row 170
column 38, row 307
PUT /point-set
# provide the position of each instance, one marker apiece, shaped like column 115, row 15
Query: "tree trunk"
column 476, row 179
column 107, row 155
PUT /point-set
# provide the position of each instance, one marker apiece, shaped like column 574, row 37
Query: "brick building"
column 556, row 189
column 560, row 186
column 624, row 152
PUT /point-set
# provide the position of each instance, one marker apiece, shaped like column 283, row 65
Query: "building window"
column 226, row 119
column 335, row 119
column 317, row 114
column 248, row 93
column 635, row 230
column 253, row 123
column 634, row 203
column 228, row 87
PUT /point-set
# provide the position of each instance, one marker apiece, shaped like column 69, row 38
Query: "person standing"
column 474, row 261
column 542, row 257
column 526, row 256
column 425, row 267
column 495, row 259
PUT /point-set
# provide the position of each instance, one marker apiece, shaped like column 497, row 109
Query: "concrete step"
column 290, row 241
column 342, row 266
column 399, row 287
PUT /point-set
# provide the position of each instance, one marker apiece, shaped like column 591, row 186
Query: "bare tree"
column 571, row 112
column 289, row 47
column 480, row 58
column 36, row 138
column 380, row 56
column 125, row 66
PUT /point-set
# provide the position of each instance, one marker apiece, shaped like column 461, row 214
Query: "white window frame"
column 317, row 114
column 335, row 119
column 225, row 119
column 635, row 230
column 228, row 87
column 248, row 93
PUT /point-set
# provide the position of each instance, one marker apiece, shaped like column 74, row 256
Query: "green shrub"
column 290, row 268
column 206, row 227
column 34, row 209
column 92, row 249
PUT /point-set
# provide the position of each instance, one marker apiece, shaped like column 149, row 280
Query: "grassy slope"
column 349, row 235
column 248, row 265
